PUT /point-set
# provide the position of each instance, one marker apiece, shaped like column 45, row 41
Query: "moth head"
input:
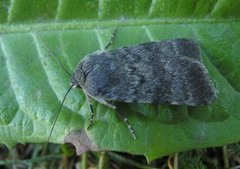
column 74, row 81
column 78, row 78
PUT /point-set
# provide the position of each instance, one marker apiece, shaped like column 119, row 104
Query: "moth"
column 163, row 72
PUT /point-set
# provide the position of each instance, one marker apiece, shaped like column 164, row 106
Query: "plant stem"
column 84, row 161
column 169, row 162
column 175, row 161
column 103, row 161
column 225, row 157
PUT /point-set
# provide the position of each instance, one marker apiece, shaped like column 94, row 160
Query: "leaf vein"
column 148, row 33
column 59, row 9
column 10, row 11
column 151, row 8
column 40, row 54
column 9, row 74
column 64, row 52
column 214, row 7
column 99, row 39
column 100, row 8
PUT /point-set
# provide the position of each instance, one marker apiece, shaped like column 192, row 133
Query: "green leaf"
column 33, row 84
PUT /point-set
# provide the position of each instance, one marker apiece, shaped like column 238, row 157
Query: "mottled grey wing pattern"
column 168, row 72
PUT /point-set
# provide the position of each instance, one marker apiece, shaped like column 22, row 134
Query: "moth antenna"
column 55, row 120
column 54, row 56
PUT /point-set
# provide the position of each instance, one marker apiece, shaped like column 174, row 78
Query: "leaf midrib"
column 58, row 26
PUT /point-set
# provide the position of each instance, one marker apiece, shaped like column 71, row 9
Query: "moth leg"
column 102, row 101
column 111, row 38
column 91, row 112
column 130, row 128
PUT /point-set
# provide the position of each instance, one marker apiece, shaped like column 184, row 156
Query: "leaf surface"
column 33, row 84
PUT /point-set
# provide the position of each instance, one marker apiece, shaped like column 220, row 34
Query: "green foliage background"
column 33, row 84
